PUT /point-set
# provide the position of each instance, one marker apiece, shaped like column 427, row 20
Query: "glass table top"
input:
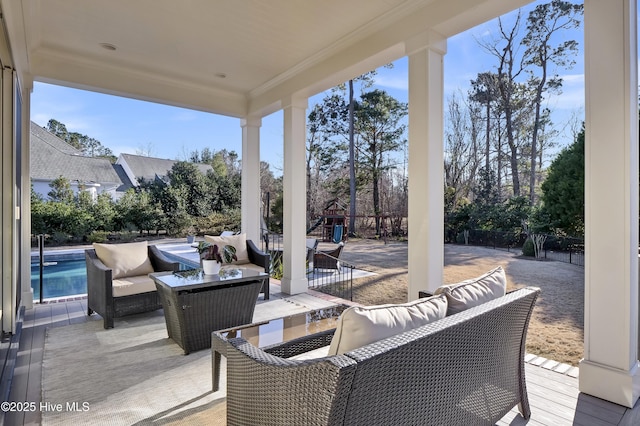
column 288, row 328
column 196, row 277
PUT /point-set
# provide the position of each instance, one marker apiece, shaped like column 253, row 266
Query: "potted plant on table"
column 212, row 258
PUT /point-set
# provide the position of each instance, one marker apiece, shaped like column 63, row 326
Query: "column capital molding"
column 428, row 40
column 295, row 101
column 251, row 121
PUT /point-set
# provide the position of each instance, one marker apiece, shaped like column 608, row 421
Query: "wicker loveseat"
column 464, row 369
column 122, row 286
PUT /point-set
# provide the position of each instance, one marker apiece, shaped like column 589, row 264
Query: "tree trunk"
column 534, row 137
column 352, row 168
column 376, row 201
column 487, row 150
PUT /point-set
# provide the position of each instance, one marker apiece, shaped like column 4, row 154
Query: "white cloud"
column 573, row 79
column 183, row 116
column 392, row 82
column 572, row 96
column 123, row 149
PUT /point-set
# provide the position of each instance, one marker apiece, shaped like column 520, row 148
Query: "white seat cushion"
column 360, row 325
column 238, row 241
column 313, row 354
column 251, row 266
column 133, row 285
column 125, row 260
column 475, row 291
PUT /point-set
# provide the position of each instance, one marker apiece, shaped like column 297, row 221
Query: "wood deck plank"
column 59, row 314
column 77, row 312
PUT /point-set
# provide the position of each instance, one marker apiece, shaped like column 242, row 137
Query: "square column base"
column 294, row 285
column 611, row 384
column 27, row 299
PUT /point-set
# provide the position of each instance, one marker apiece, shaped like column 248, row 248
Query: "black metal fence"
column 564, row 249
column 561, row 249
column 336, row 282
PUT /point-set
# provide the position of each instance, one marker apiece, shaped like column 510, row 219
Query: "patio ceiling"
column 229, row 57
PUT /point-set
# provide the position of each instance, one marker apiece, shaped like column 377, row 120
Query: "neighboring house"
column 138, row 167
column 51, row 157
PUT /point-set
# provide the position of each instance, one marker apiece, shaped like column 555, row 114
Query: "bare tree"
column 460, row 159
column 543, row 23
column 505, row 50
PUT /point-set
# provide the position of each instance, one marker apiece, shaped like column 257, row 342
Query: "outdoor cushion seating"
column 117, row 279
column 360, row 325
column 328, row 259
column 247, row 253
column 463, row 368
column 475, row 291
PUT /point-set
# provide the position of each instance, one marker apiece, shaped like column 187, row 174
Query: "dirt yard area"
column 556, row 328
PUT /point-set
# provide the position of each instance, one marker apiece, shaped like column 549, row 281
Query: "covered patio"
column 553, row 389
column 249, row 59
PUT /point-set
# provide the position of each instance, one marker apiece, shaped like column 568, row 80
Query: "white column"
column 7, row 213
column 24, row 249
column 610, row 368
column 294, row 279
column 426, row 159
column 251, row 178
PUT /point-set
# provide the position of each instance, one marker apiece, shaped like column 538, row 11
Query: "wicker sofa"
column 114, row 291
column 466, row 368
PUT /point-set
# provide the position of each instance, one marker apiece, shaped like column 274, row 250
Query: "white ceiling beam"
column 69, row 71
column 330, row 68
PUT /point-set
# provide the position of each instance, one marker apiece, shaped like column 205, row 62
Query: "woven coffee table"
column 196, row 304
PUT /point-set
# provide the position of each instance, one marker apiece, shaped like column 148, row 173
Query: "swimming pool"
column 63, row 275
column 60, row 278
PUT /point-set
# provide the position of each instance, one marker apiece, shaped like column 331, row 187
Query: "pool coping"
column 52, row 255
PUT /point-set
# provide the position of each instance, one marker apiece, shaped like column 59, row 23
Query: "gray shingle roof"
column 51, row 157
column 151, row 168
column 45, row 136
column 126, row 182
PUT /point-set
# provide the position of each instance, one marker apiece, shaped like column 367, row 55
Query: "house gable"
column 51, row 158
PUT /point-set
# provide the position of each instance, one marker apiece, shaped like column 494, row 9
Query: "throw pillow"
column 125, row 260
column 360, row 325
column 475, row 291
column 239, row 242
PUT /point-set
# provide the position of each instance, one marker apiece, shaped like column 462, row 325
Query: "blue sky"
column 130, row 126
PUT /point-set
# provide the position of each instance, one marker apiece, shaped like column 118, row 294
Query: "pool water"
column 60, row 278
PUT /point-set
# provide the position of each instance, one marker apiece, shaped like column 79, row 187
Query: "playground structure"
column 332, row 225
column 333, row 222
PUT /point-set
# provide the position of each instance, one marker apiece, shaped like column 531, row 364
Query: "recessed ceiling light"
column 108, row 46
column 220, row 75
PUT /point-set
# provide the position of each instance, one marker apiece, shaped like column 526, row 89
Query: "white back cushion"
column 475, row 291
column 125, row 260
column 238, row 241
column 360, row 325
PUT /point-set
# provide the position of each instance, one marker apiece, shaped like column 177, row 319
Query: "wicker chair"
column 260, row 261
column 100, row 290
column 328, row 259
column 467, row 368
